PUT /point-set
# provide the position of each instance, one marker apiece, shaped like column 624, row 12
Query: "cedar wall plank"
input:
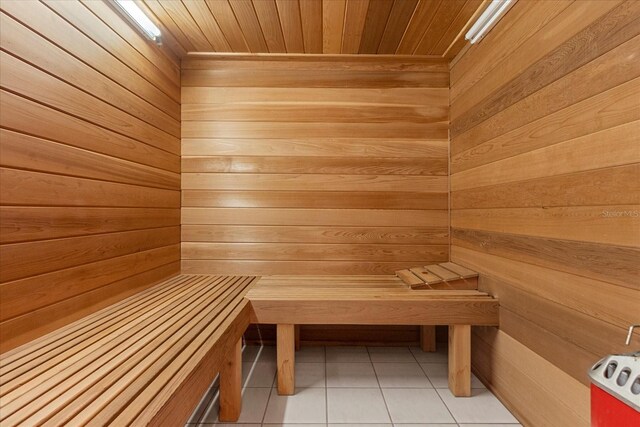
column 332, row 166
column 545, row 172
column 90, row 156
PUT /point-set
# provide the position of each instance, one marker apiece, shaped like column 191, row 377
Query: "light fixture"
column 488, row 19
column 136, row 16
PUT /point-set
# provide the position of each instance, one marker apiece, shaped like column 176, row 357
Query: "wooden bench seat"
column 369, row 300
column 146, row 360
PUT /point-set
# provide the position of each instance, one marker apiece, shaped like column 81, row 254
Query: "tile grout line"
column 379, row 386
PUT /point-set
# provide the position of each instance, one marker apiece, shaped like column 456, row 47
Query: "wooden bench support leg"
column 231, row 385
column 460, row 360
column 286, row 359
column 428, row 338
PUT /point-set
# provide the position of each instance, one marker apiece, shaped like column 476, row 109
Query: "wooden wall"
column 313, row 165
column 89, row 164
column 545, row 192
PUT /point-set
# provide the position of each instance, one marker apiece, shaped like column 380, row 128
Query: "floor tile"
column 258, row 374
column 407, row 405
column 356, row 405
column 351, row 375
column 481, row 407
column 490, row 425
column 310, row 375
column 347, row 354
column 401, row 375
column 294, row 425
column 310, row 355
column 254, row 402
column 391, row 354
column 252, row 353
column 360, row 425
column 438, row 356
column 427, row 425
column 438, row 374
column 305, row 406
column 237, row 425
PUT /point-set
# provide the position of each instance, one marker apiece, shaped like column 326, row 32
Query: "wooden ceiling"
column 404, row 27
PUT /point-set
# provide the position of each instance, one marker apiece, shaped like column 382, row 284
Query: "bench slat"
column 114, row 350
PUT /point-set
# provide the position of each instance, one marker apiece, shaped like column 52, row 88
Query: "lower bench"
column 144, row 361
column 369, row 300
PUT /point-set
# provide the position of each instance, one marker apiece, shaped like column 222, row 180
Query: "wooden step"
column 441, row 276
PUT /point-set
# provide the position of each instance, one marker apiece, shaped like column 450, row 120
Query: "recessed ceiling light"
column 488, row 19
column 136, row 16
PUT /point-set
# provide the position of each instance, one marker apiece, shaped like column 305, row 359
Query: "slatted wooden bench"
column 144, row 361
column 288, row 301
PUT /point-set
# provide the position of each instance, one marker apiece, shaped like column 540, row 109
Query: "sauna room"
column 302, row 213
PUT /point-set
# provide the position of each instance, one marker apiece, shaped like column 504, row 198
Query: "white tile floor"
column 356, row 386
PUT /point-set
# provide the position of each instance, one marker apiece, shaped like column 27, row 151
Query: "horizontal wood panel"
column 609, row 148
column 601, row 300
column 21, row 260
column 309, row 62
column 315, row 147
column 40, row 189
column 313, row 78
column 32, row 48
column 307, row 251
column 20, row 151
column 342, row 217
column 587, row 45
column 26, row 223
column 318, row 165
column 35, row 119
column 20, row 77
column 313, row 182
column 341, row 162
column 314, row 112
column 616, row 225
column 89, row 164
column 38, row 16
column 415, row 96
column 33, row 293
column 315, row 234
column 613, row 264
column 287, row 130
column 263, row 268
column 314, row 199
column 612, row 108
column 497, row 362
column 544, row 159
column 600, row 187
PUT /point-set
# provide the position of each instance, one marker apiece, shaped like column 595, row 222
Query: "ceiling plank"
column 208, row 25
column 312, row 25
column 420, row 22
column 184, row 20
column 355, row 14
column 375, row 23
column 228, row 23
column 182, row 43
column 332, row 25
column 471, row 11
column 446, row 13
column 248, row 21
column 401, row 13
column 289, row 12
column 267, row 13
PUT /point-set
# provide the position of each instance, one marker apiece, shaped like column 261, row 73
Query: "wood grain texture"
column 90, row 156
column 344, row 178
column 313, row 26
column 544, row 196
